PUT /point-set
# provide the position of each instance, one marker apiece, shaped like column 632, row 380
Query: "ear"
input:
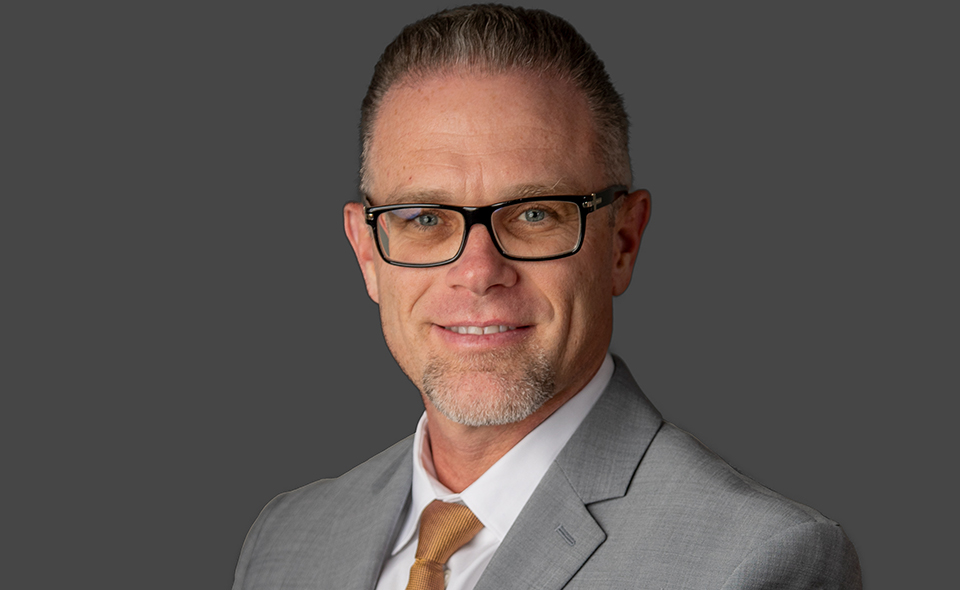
column 632, row 218
column 361, row 238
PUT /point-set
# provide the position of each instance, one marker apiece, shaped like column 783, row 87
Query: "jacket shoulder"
column 302, row 535
column 364, row 480
column 700, row 520
column 684, row 471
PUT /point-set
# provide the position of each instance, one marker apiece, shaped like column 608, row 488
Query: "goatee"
column 489, row 389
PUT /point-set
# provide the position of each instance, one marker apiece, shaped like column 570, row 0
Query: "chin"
column 495, row 390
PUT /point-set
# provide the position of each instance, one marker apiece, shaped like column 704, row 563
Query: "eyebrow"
column 444, row 197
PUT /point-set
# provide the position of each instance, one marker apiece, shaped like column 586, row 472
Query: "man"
column 498, row 225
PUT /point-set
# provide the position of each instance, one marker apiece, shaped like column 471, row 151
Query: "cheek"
column 574, row 292
column 390, row 301
column 591, row 285
column 400, row 291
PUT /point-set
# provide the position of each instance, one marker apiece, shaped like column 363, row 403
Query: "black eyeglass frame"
column 484, row 216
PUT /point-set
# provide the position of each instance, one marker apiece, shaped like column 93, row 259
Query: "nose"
column 481, row 267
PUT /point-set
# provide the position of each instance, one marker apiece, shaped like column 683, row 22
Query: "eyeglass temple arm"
column 603, row 198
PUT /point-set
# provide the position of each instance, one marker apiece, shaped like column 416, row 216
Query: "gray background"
column 186, row 333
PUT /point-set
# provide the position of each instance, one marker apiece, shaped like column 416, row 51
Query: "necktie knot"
column 444, row 528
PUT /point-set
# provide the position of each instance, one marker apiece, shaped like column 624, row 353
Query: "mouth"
column 479, row 330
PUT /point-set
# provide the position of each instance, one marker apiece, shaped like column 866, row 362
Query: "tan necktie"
column 444, row 528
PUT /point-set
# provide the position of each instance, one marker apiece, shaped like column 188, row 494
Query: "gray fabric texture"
column 630, row 502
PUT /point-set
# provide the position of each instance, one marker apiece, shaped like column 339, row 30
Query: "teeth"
column 478, row 331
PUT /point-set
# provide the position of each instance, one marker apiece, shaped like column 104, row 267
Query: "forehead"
column 482, row 138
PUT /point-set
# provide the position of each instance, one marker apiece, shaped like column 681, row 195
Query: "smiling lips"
column 478, row 331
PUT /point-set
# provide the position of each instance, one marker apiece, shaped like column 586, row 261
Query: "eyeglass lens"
column 538, row 229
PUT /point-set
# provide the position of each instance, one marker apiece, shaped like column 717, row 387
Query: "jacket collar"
column 602, row 456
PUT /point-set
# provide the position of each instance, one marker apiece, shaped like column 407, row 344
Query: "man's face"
column 476, row 140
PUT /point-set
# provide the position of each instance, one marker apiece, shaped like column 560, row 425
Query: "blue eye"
column 428, row 219
column 534, row 215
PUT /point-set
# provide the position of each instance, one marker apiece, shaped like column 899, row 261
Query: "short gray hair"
column 496, row 38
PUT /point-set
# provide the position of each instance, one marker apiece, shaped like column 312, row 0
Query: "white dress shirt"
column 496, row 498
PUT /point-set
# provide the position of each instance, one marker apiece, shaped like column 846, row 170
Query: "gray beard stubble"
column 514, row 398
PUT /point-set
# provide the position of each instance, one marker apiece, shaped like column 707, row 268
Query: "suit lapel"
column 555, row 533
column 550, row 540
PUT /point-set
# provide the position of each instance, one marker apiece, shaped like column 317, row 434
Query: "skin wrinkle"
column 440, row 196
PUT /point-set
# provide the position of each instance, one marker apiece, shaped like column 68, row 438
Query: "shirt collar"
column 498, row 496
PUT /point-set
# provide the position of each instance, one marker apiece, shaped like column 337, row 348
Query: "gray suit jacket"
column 630, row 502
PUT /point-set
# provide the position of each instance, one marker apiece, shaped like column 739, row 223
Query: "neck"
column 461, row 454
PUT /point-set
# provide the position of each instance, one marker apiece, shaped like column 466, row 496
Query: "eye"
column 427, row 220
column 534, row 215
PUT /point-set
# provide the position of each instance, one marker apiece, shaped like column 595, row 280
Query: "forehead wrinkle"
column 454, row 157
column 417, row 134
column 518, row 191
column 560, row 187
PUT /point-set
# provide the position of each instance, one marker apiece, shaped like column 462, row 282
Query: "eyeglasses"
column 534, row 228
